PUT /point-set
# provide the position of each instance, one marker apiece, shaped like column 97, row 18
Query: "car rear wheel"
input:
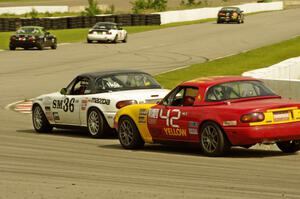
column 291, row 146
column 125, row 39
column 128, row 134
column 212, row 140
column 97, row 126
column 54, row 46
column 40, row 46
column 12, row 47
column 116, row 39
column 39, row 120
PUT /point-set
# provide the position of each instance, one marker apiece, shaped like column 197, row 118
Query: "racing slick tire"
column 212, row 140
column 116, row 39
column 39, row 120
column 89, row 41
column 96, row 123
column 54, row 46
column 125, row 39
column 128, row 134
column 239, row 20
column 11, row 47
column 40, row 46
column 291, row 146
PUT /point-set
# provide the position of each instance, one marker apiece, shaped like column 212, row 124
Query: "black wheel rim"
column 126, row 133
column 209, row 139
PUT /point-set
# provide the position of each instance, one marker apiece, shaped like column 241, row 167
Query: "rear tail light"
column 31, row 38
column 124, row 103
column 253, row 117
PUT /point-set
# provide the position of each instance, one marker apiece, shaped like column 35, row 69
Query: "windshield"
column 27, row 30
column 129, row 81
column 229, row 9
column 237, row 90
column 105, row 26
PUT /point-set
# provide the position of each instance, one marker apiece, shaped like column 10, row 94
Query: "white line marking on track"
column 63, row 44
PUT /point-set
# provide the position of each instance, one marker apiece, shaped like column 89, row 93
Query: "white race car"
column 91, row 100
column 107, row 32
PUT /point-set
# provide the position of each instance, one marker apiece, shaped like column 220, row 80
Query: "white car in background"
column 91, row 100
column 107, row 32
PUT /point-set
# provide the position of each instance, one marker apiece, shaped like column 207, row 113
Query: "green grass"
column 234, row 65
column 79, row 35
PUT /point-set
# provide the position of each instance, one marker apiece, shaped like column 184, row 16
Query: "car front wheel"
column 39, row 120
column 129, row 135
column 212, row 140
column 291, row 146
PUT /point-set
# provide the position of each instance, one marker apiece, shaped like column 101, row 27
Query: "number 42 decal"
column 170, row 120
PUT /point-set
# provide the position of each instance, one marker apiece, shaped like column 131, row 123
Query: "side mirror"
column 63, row 91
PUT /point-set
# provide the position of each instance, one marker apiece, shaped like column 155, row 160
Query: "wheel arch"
column 215, row 122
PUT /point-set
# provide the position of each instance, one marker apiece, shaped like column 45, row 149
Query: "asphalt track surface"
column 68, row 164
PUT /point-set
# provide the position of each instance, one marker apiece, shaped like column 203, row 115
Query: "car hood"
column 142, row 95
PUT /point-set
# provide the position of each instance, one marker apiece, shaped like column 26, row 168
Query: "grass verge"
column 79, row 35
column 234, row 65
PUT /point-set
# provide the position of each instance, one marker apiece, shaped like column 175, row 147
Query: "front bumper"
column 24, row 44
column 261, row 134
column 101, row 37
column 228, row 19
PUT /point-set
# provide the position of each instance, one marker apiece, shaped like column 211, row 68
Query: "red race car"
column 215, row 112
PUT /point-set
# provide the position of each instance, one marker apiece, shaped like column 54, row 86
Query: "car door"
column 176, row 117
column 69, row 104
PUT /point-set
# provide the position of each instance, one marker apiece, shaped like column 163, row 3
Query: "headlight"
column 124, row 103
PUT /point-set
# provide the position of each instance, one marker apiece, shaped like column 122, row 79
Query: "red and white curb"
column 20, row 106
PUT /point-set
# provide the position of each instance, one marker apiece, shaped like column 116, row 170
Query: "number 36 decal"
column 170, row 119
column 65, row 104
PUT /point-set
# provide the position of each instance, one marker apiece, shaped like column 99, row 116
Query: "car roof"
column 214, row 80
column 39, row 27
column 110, row 72
column 229, row 8
column 110, row 23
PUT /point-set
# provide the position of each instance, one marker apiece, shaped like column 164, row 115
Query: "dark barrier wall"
column 11, row 24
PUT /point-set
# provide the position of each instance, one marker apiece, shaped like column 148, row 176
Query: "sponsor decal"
column 230, row 123
column 192, row 124
column 175, row 131
column 184, row 113
column 153, row 113
column 84, row 103
column 143, row 112
column 142, row 115
column 56, row 116
column 101, row 101
column 66, row 104
column 193, row 131
column 47, row 108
